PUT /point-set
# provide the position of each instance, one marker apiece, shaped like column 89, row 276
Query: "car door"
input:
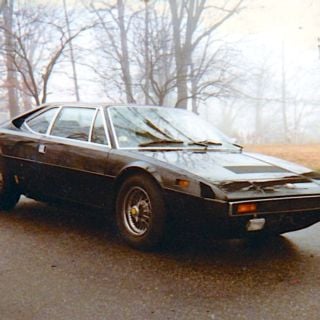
column 75, row 154
column 22, row 150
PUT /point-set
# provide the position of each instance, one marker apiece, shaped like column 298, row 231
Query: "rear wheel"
column 140, row 212
column 9, row 192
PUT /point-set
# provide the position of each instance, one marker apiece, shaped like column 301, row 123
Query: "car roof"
column 19, row 118
column 93, row 104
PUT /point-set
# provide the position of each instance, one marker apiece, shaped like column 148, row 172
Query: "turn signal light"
column 182, row 183
column 246, row 208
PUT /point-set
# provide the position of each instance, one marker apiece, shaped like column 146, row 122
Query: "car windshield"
column 159, row 127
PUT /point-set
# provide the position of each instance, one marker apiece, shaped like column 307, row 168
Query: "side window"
column 73, row 123
column 98, row 131
column 41, row 122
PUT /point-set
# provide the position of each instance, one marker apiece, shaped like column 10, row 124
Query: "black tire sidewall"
column 9, row 193
column 155, row 233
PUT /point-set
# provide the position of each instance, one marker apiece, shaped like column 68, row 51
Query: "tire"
column 140, row 212
column 9, row 192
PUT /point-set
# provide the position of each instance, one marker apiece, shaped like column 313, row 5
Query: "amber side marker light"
column 182, row 183
column 246, row 208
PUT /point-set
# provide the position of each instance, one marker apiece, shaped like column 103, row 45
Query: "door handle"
column 42, row 148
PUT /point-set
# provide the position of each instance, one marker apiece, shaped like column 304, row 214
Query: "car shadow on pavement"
column 188, row 247
column 75, row 236
column 62, row 219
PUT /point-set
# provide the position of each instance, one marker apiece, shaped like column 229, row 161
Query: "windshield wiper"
column 238, row 146
column 156, row 128
column 161, row 141
column 205, row 143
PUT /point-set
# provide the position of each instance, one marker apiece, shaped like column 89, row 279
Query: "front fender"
column 140, row 167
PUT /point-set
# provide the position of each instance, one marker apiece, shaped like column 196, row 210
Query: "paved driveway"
column 62, row 264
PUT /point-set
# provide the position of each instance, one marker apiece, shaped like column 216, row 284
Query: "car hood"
column 217, row 166
column 240, row 175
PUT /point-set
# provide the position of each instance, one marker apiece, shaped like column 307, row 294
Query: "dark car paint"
column 54, row 173
column 211, row 166
column 67, row 164
column 83, row 172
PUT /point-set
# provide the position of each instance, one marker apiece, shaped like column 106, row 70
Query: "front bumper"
column 280, row 205
column 220, row 218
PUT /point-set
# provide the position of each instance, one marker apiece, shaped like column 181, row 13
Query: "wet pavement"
column 64, row 264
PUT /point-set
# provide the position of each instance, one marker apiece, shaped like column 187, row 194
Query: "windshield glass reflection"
column 156, row 127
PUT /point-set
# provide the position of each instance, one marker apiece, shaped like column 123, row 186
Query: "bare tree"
column 146, row 53
column 213, row 73
column 156, row 51
column 9, row 47
column 115, row 27
column 2, row 4
column 284, row 94
column 39, row 39
column 73, row 63
column 159, row 62
column 188, row 36
column 259, row 94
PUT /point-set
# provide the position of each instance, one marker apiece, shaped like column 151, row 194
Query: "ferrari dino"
column 152, row 165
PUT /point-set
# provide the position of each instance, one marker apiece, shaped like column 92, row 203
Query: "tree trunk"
column 73, row 63
column 125, row 66
column 284, row 96
column 146, row 53
column 194, row 91
column 11, row 81
column 180, row 57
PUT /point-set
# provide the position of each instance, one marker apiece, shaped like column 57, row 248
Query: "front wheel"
column 140, row 212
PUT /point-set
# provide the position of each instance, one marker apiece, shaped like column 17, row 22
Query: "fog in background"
column 252, row 68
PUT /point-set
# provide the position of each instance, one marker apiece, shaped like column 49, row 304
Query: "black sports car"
column 152, row 164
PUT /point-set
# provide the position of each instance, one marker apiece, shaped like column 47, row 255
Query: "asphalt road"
column 63, row 264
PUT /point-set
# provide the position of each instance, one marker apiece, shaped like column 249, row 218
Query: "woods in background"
column 155, row 52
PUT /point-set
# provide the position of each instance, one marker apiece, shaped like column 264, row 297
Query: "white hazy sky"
column 263, row 25
column 297, row 22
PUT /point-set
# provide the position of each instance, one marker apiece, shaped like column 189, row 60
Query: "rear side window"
column 41, row 122
column 73, row 123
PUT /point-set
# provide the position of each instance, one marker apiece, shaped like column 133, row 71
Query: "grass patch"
column 305, row 154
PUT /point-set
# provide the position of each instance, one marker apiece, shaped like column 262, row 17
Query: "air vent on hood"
column 254, row 169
